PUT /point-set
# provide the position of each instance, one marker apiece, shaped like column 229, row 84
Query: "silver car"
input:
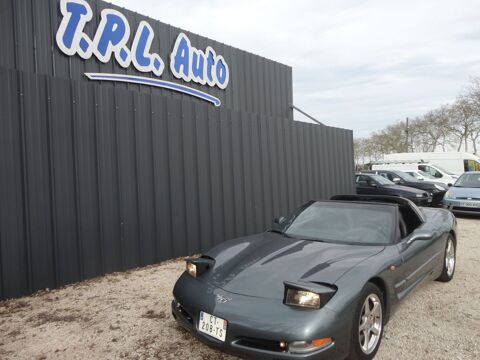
column 464, row 196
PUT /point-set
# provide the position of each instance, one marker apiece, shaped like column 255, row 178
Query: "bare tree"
column 461, row 121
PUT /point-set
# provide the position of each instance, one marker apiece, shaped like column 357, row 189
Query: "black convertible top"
column 373, row 198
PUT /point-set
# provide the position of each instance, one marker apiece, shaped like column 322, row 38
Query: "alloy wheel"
column 370, row 324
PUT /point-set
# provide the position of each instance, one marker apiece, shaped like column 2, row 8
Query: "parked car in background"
column 442, row 175
column 321, row 284
column 373, row 184
column 455, row 162
column 437, row 191
column 464, row 196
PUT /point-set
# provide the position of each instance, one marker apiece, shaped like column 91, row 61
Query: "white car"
column 423, row 176
column 440, row 174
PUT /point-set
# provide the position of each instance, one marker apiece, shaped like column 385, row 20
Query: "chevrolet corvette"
column 321, row 284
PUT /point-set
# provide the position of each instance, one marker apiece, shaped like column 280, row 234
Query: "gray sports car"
column 321, row 284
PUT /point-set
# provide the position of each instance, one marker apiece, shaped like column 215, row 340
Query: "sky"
column 357, row 64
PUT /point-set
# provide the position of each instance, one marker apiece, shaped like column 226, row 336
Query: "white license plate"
column 469, row 204
column 212, row 325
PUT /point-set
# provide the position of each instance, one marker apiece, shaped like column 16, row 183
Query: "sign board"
column 186, row 62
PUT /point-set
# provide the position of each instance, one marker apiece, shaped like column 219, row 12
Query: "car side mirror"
column 396, row 180
column 421, row 178
column 372, row 184
column 421, row 235
column 279, row 220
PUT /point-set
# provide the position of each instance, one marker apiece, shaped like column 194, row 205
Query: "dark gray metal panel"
column 145, row 179
column 238, row 179
column 216, row 174
column 7, row 34
column 161, row 173
column 177, row 176
column 124, row 119
column 37, row 179
column 227, row 175
column 28, row 33
column 100, row 177
column 87, row 180
column 14, row 265
column 203, row 169
column 191, row 178
column 108, row 182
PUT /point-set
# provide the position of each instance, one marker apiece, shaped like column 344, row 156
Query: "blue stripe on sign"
column 155, row 82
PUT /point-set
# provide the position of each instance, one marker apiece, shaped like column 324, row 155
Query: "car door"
column 430, row 170
column 419, row 258
column 366, row 185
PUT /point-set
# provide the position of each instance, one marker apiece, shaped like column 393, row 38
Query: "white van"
column 455, row 162
column 440, row 174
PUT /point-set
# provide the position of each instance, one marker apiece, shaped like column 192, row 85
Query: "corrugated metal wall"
column 96, row 177
column 27, row 35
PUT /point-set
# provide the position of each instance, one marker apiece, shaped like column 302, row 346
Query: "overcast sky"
column 356, row 64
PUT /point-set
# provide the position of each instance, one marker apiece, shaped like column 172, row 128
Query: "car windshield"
column 381, row 180
column 445, row 171
column 426, row 175
column 345, row 222
column 404, row 176
column 468, row 180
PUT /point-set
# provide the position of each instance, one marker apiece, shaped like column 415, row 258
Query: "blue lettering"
column 210, row 63
column 182, row 57
column 141, row 49
column 112, row 35
column 198, row 65
column 76, row 11
column 221, row 72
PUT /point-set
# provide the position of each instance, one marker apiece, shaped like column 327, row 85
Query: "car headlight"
column 303, row 298
column 449, row 195
column 438, row 187
column 195, row 267
column 191, row 269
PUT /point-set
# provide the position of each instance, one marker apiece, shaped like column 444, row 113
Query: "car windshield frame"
column 380, row 179
column 462, row 177
column 404, row 176
column 359, row 211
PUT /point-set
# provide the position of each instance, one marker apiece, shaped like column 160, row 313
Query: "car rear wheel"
column 449, row 261
column 367, row 326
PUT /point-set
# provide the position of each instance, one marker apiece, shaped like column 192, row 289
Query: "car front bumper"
column 423, row 201
column 257, row 325
column 462, row 206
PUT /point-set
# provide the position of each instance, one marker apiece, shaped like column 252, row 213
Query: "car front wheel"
column 367, row 326
column 449, row 261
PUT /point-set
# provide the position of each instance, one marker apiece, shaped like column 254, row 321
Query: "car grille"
column 269, row 345
column 183, row 312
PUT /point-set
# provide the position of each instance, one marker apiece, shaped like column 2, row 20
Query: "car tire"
column 366, row 322
column 449, row 260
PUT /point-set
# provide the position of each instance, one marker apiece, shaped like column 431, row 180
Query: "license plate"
column 212, row 325
column 470, row 204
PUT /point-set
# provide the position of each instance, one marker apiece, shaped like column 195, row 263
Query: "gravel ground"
column 127, row 315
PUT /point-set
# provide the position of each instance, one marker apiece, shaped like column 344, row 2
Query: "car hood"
column 406, row 189
column 258, row 265
column 461, row 192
